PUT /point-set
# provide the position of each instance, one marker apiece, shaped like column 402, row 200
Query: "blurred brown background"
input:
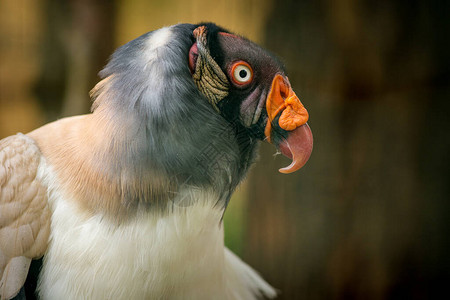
column 367, row 217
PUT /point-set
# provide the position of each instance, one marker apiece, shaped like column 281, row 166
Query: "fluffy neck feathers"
column 151, row 133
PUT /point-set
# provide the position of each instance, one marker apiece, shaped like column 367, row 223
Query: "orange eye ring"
column 241, row 73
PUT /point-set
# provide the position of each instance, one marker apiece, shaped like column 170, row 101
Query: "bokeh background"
column 368, row 216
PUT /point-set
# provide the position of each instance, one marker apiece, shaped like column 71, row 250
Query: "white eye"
column 241, row 73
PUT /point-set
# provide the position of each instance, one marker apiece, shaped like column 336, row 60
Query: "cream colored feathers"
column 24, row 212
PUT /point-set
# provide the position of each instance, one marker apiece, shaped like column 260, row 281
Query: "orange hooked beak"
column 293, row 117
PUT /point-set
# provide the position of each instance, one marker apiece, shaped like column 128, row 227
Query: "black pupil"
column 242, row 73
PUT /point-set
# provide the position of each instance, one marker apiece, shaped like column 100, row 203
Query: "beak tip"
column 298, row 147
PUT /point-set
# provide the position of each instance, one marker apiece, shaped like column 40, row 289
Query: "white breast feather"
column 177, row 256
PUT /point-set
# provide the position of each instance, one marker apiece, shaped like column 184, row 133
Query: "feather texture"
column 176, row 255
column 24, row 213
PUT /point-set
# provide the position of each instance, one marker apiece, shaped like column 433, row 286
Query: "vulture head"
column 192, row 102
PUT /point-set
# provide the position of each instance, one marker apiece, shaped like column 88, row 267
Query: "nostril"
column 284, row 91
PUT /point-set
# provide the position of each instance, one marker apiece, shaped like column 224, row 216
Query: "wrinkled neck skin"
column 160, row 132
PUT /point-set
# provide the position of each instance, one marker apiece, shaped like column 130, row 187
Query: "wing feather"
column 24, row 212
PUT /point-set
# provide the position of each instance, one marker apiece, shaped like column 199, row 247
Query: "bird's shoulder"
column 24, row 211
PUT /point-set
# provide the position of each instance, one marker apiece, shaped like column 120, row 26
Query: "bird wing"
column 24, row 212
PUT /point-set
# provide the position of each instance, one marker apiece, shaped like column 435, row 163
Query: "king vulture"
column 127, row 202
